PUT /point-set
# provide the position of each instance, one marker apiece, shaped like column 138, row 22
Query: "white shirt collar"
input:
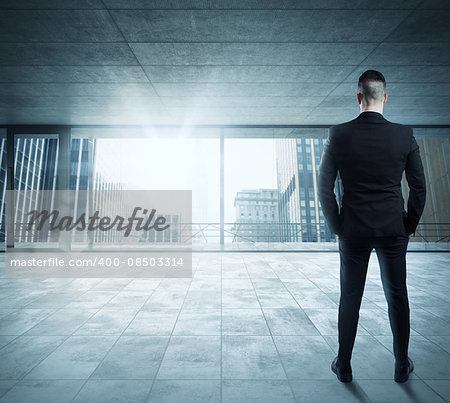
column 371, row 110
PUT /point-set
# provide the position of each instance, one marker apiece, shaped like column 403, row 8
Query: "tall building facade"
column 3, row 168
column 256, row 216
column 88, row 172
column 434, row 224
column 92, row 178
column 35, row 169
column 298, row 163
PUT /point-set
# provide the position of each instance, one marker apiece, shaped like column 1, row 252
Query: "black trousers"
column 354, row 256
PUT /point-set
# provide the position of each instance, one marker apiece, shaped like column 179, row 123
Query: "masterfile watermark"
column 96, row 222
column 99, row 233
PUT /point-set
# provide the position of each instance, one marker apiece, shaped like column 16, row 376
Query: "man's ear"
column 385, row 98
column 358, row 97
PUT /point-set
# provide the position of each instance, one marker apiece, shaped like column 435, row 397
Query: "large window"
column 251, row 191
column 158, row 164
column 3, row 169
column 269, row 185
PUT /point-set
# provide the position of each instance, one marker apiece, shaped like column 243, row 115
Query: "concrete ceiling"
column 220, row 62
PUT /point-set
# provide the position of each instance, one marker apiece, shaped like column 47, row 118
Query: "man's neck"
column 371, row 109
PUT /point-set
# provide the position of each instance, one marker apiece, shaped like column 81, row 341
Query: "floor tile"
column 430, row 361
column 244, row 322
column 57, row 391
column 4, row 340
column 250, row 357
column 133, row 357
column 191, row 357
column 238, row 298
column 414, row 390
column 106, row 391
column 107, row 321
column 289, row 322
column 441, row 387
column 157, row 322
column 442, row 341
column 314, row 391
column 6, row 385
column 198, row 321
column 128, row 300
column 256, row 391
column 62, row 322
column 20, row 321
column 186, row 391
column 76, row 358
column 305, row 357
column 25, row 352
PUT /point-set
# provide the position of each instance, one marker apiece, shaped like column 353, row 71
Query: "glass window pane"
column 35, row 169
column 3, row 167
column 152, row 164
column 250, row 184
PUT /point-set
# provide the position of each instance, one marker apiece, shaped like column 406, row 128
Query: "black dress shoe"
column 344, row 374
column 402, row 371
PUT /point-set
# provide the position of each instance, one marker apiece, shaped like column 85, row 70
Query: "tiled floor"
column 249, row 327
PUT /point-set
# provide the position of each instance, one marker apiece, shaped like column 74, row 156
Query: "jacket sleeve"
column 417, row 187
column 327, row 176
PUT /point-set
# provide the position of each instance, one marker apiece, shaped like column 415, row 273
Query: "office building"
column 36, row 161
column 256, row 216
column 298, row 163
column 434, row 224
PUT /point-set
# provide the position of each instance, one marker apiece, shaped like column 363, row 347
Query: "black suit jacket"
column 370, row 153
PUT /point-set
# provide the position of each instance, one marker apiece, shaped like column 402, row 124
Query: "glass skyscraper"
column 35, row 169
column 298, row 163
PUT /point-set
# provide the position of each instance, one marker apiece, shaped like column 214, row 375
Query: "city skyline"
column 193, row 164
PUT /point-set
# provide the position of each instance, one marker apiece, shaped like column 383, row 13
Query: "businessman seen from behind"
column 370, row 153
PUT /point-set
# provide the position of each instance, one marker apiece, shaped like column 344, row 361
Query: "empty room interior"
column 163, row 231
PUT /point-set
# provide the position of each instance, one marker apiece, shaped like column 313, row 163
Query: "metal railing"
column 296, row 232
column 432, row 232
column 276, row 232
column 254, row 232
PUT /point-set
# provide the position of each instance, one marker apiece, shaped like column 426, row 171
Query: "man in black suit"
column 370, row 153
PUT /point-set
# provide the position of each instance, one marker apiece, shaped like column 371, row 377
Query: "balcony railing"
column 257, row 232
column 297, row 232
column 432, row 232
column 262, row 232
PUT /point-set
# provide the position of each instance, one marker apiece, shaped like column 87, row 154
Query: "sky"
column 249, row 164
column 193, row 164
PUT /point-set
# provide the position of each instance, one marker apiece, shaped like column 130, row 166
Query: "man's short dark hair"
column 371, row 87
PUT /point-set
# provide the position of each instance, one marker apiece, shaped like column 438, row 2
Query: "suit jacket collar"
column 370, row 115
